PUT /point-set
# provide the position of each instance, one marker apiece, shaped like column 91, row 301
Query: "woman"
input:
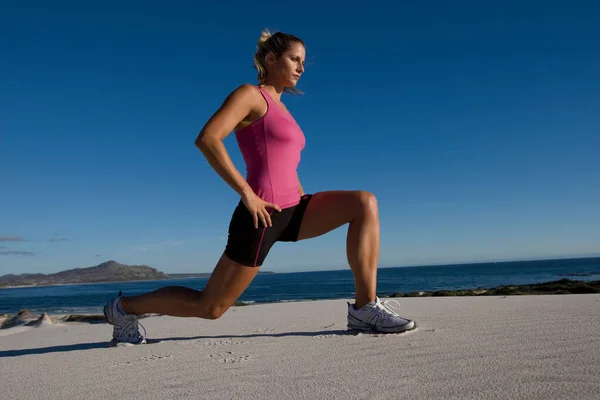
column 273, row 206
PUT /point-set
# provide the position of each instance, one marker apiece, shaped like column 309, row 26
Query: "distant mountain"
column 110, row 271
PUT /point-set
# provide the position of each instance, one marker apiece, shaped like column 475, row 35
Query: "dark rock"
column 563, row 286
column 21, row 318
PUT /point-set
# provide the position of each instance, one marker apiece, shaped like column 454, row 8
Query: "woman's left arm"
column 300, row 186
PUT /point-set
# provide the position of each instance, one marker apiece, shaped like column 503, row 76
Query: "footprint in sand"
column 146, row 359
column 212, row 342
column 223, row 342
column 237, row 359
column 265, row 330
column 229, row 357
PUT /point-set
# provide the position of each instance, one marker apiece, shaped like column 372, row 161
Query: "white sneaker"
column 378, row 316
column 125, row 326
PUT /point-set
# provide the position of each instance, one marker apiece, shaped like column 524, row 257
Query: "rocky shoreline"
column 562, row 286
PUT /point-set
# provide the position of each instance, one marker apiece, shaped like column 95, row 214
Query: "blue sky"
column 476, row 126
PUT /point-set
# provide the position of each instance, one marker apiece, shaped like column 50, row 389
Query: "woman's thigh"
column 329, row 210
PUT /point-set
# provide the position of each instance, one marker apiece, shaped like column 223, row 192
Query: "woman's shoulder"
column 246, row 92
column 247, row 89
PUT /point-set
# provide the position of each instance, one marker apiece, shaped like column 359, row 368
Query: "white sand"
column 521, row 347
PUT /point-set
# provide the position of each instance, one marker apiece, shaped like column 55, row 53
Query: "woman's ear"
column 270, row 59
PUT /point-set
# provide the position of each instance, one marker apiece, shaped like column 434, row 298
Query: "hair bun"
column 264, row 36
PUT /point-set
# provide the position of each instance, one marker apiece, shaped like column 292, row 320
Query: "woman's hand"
column 258, row 209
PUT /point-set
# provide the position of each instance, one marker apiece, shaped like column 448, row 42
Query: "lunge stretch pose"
column 273, row 206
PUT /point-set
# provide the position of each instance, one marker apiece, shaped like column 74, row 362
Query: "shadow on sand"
column 107, row 345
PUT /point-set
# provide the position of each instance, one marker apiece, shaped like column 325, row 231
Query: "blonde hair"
column 276, row 43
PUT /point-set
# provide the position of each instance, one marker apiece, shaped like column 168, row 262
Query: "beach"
column 489, row 347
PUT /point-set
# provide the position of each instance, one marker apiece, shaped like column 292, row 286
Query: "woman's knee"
column 367, row 202
column 216, row 312
column 225, row 285
column 208, row 308
column 212, row 311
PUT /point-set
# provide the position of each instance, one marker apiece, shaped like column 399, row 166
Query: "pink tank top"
column 271, row 148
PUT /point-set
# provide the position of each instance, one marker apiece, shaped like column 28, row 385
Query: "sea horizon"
column 311, row 285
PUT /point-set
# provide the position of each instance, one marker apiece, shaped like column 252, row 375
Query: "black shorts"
column 248, row 245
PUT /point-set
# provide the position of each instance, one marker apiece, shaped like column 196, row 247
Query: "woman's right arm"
column 210, row 139
column 234, row 109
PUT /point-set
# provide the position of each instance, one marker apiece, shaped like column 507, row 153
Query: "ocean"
column 298, row 286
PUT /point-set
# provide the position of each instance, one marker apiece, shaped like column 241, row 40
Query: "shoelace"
column 128, row 325
column 383, row 305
